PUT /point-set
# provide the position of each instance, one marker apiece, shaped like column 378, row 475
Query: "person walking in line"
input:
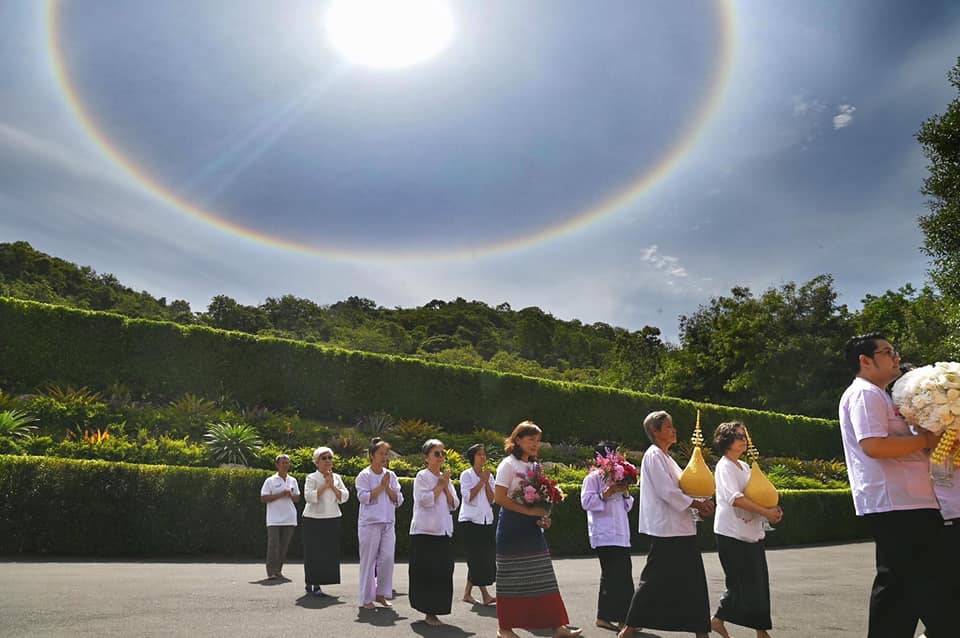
column 281, row 493
column 378, row 491
column 738, row 526
column 478, row 525
column 431, row 529
column 889, row 479
column 324, row 492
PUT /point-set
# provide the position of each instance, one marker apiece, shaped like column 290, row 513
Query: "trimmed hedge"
column 97, row 508
column 40, row 344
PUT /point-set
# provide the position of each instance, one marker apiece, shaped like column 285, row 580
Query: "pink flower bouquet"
column 616, row 470
column 536, row 489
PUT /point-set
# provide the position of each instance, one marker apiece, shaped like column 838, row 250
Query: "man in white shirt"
column 280, row 492
column 892, row 491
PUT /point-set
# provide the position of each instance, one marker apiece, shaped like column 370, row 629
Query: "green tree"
column 940, row 138
column 921, row 323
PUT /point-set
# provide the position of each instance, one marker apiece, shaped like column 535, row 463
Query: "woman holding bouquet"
column 431, row 552
column 605, row 496
column 739, row 530
column 379, row 494
column 476, row 522
column 527, row 591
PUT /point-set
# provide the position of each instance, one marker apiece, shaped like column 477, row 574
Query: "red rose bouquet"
column 535, row 489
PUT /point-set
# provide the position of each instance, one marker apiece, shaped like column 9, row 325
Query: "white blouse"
column 328, row 503
column 478, row 510
column 376, row 509
column 730, row 520
column 510, row 471
column 607, row 524
column 664, row 509
column 431, row 512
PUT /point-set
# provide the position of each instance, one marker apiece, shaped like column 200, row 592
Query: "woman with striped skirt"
column 527, row 593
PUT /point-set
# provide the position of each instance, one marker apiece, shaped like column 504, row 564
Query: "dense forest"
column 778, row 350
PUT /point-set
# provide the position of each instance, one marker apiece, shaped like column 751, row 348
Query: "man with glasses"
column 889, row 477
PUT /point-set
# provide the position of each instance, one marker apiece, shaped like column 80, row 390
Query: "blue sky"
column 621, row 162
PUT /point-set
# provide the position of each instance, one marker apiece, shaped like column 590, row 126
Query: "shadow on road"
column 309, row 601
column 380, row 617
column 447, row 631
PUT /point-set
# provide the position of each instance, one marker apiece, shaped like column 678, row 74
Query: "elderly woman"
column 323, row 491
column 527, row 592
column 379, row 494
column 607, row 505
column 431, row 550
column 672, row 594
column 476, row 521
column 739, row 530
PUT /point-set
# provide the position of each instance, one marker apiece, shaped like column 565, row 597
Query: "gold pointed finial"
column 697, row 438
column 752, row 453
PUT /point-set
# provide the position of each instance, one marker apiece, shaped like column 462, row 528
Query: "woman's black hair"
column 605, row 447
column 725, row 435
column 472, row 451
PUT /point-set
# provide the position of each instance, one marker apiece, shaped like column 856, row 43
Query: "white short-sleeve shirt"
column 880, row 485
column 730, row 520
column 281, row 511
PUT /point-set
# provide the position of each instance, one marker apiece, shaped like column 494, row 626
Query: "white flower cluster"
column 929, row 397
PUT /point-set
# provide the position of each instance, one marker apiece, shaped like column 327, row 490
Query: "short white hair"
column 320, row 451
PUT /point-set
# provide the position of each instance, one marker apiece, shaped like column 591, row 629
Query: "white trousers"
column 377, row 543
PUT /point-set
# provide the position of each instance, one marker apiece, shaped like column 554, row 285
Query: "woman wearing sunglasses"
column 431, row 548
column 323, row 491
column 738, row 526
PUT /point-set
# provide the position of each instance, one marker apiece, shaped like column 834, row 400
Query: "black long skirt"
column 431, row 574
column 616, row 583
column 480, row 542
column 321, row 550
column 672, row 594
column 746, row 601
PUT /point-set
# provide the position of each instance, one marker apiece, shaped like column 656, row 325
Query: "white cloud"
column 666, row 263
column 803, row 105
column 844, row 116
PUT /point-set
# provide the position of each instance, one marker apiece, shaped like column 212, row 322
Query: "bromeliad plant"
column 232, row 442
column 16, row 424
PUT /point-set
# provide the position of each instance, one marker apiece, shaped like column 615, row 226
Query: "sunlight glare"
column 389, row 34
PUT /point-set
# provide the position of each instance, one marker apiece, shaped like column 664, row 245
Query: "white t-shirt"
column 281, row 511
column 664, row 509
column 880, row 485
column 730, row 520
column 510, row 471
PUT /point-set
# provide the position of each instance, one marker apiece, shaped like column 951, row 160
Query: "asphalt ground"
column 815, row 591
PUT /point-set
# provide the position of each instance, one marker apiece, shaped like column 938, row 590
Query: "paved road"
column 817, row 591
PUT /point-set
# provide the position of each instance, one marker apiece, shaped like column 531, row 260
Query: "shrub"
column 165, row 359
column 15, row 424
column 376, row 424
column 409, row 435
column 232, row 442
column 158, row 511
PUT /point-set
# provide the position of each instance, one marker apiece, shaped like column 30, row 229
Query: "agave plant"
column 232, row 442
column 16, row 424
column 376, row 423
column 78, row 396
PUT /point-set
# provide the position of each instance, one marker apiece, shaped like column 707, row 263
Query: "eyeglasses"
column 888, row 351
column 439, row 453
column 325, row 458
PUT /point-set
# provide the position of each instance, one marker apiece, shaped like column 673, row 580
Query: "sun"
column 389, row 34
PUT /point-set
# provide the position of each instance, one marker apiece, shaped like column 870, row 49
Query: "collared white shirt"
column 431, row 512
column 328, row 504
column 376, row 509
column 607, row 523
column 477, row 510
column 664, row 509
column 729, row 520
column 880, row 485
column 281, row 511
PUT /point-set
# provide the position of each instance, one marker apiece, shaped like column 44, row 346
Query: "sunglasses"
column 438, row 453
column 326, row 458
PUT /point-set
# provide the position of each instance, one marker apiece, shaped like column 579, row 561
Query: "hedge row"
column 96, row 508
column 40, row 344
